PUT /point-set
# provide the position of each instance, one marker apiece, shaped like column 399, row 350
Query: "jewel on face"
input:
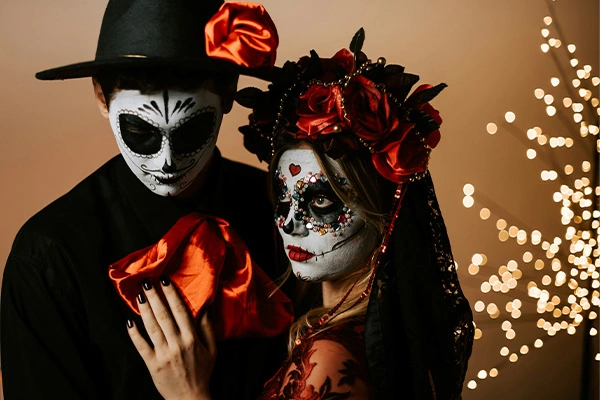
column 166, row 137
column 324, row 239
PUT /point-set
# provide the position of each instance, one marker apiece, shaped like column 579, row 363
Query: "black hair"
column 154, row 79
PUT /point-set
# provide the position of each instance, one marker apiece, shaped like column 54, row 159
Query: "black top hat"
column 151, row 34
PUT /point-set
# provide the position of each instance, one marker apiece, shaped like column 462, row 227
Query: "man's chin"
column 166, row 190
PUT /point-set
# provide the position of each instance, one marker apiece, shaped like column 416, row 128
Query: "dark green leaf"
column 314, row 56
column 424, row 123
column 314, row 68
column 425, row 95
column 356, row 45
column 249, row 97
column 357, row 42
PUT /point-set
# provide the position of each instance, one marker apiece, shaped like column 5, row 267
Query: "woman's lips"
column 298, row 254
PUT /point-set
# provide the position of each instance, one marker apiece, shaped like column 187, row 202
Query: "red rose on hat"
column 244, row 34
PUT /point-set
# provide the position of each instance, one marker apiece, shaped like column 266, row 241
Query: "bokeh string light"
column 563, row 281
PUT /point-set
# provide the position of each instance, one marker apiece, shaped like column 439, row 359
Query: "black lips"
column 140, row 136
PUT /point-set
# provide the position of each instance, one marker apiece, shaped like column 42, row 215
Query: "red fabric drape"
column 244, row 34
column 209, row 264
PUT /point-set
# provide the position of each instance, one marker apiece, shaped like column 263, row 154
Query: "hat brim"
column 204, row 64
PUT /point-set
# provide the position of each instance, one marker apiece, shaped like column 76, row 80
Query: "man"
column 64, row 329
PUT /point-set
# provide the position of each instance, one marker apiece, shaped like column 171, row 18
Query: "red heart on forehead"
column 295, row 169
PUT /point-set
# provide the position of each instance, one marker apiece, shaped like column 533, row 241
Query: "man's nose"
column 169, row 166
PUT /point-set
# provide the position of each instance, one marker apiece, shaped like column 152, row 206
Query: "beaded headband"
column 344, row 104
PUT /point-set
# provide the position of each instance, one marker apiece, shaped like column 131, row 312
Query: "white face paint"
column 323, row 238
column 166, row 137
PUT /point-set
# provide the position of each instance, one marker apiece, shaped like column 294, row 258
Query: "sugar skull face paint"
column 323, row 238
column 166, row 137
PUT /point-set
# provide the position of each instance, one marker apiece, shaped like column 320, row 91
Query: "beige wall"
column 488, row 52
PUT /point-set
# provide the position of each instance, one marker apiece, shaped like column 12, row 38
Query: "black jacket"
column 63, row 327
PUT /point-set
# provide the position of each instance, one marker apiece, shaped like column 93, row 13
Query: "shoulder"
column 324, row 369
column 245, row 182
column 239, row 171
column 63, row 220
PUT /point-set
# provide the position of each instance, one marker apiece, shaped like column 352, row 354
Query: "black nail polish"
column 130, row 323
column 141, row 298
column 165, row 281
column 146, row 284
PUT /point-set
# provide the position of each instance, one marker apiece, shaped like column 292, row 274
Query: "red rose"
column 334, row 68
column 432, row 138
column 370, row 112
column 404, row 154
column 319, row 111
column 242, row 33
column 343, row 60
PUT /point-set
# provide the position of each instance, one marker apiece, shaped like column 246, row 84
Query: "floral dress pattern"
column 329, row 366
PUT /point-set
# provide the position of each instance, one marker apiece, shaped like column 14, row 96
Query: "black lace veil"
column 419, row 327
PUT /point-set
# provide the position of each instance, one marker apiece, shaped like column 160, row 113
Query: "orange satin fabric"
column 244, row 34
column 209, row 264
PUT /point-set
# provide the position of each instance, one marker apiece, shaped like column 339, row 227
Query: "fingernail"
column 141, row 298
column 146, row 284
column 165, row 281
column 130, row 323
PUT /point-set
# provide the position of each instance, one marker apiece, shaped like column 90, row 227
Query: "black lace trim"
column 453, row 295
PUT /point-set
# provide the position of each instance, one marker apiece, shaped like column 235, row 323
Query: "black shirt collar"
column 158, row 213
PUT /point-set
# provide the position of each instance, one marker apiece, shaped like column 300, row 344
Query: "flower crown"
column 347, row 103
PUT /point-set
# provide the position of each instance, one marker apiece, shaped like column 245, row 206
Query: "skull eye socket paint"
column 140, row 136
column 166, row 137
column 319, row 203
column 193, row 133
column 314, row 201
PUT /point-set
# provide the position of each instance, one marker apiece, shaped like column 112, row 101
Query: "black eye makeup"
column 321, row 202
column 314, row 203
column 194, row 133
column 140, row 136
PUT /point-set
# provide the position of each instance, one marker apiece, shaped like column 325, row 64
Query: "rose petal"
column 242, row 33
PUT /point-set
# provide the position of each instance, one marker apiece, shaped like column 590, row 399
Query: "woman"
column 357, row 212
